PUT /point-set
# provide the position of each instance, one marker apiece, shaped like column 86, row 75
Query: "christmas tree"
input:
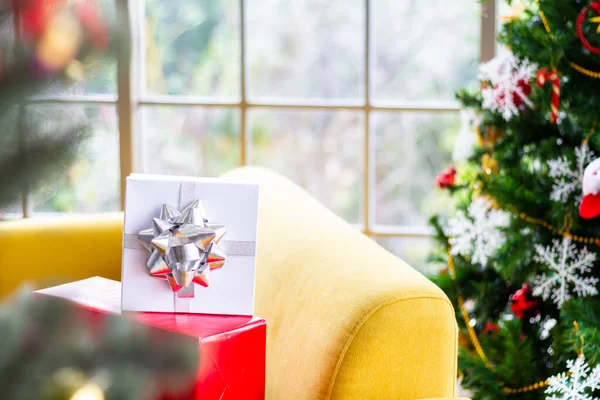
column 522, row 248
column 51, row 350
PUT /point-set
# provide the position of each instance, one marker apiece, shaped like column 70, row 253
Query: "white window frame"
column 129, row 99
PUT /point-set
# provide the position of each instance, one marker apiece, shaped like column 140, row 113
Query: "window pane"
column 100, row 76
column 306, row 48
column 9, row 140
column 319, row 150
column 192, row 141
column 411, row 150
column 424, row 50
column 505, row 13
column 193, row 47
column 412, row 250
column 12, row 211
column 92, row 183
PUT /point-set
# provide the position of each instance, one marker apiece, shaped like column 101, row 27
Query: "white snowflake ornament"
column 568, row 179
column 477, row 233
column 509, row 84
column 567, row 264
column 577, row 384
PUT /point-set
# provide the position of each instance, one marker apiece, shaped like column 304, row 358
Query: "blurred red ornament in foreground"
column 523, row 304
column 60, row 42
column 90, row 18
column 446, row 178
column 35, row 15
column 58, row 31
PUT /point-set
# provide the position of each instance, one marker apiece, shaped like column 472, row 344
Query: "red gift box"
column 231, row 348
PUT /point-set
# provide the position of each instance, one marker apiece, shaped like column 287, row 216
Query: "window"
column 352, row 99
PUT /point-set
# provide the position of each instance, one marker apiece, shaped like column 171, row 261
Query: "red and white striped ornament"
column 544, row 75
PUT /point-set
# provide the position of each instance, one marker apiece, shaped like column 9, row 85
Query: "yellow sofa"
column 346, row 319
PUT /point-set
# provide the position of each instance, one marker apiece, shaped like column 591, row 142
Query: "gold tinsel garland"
column 561, row 232
column 576, row 67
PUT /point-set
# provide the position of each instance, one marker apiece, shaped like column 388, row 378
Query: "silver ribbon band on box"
column 231, row 247
column 182, row 267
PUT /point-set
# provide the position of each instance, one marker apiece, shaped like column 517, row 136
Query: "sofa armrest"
column 449, row 398
column 47, row 251
column 346, row 319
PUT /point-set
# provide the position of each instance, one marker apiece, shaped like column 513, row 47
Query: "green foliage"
column 524, row 352
column 35, row 148
column 518, row 354
column 25, row 158
column 42, row 335
column 585, row 313
column 51, row 349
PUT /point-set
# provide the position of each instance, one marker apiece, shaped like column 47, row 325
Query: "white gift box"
column 235, row 205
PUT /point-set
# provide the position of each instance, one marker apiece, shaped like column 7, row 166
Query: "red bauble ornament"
column 446, row 178
column 595, row 5
column 523, row 304
column 516, row 96
column 525, row 87
column 90, row 18
column 35, row 15
column 490, row 327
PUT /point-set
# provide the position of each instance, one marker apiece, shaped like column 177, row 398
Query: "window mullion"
column 26, row 206
column 245, row 140
column 127, row 60
column 488, row 30
column 367, row 159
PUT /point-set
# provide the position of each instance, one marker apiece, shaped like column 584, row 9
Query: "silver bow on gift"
column 184, row 247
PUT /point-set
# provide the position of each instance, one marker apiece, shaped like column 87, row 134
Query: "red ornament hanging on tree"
column 595, row 5
column 523, row 304
column 491, row 328
column 35, row 15
column 446, row 178
column 517, row 96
